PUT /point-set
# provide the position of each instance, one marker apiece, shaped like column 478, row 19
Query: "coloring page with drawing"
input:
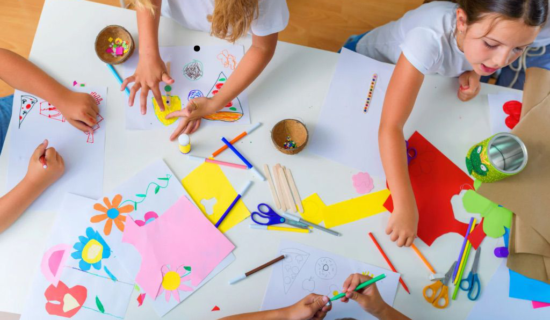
column 33, row 120
column 198, row 71
column 308, row 270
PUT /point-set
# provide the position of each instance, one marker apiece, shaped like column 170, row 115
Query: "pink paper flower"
column 362, row 182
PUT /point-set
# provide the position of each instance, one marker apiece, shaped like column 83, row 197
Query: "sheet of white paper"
column 308, row 270
column 344, row 133
column 70, row 224
column 496, row 112
column 494, row 302
column 153, row 190
column 196, row 74
column 33, row 120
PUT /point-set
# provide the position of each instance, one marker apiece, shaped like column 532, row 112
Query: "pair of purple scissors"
column 267, row 216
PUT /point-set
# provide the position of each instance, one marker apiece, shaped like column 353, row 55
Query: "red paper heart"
column 513, row 110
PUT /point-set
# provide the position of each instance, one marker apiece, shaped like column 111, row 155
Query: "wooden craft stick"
column 279, row 187
column 272, row 187
column 294, row 189
column 288, row 195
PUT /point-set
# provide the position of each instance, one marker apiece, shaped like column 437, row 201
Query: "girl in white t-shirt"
column 225, row 19
column 467, row 40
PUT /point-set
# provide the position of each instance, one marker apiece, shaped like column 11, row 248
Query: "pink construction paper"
column 182, row 236
column 537, row 304
column 53, row 261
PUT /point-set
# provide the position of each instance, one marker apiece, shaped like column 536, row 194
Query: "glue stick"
column 185, row 143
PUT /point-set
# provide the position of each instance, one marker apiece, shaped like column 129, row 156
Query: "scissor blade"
column 476, row 260
column 449, row 273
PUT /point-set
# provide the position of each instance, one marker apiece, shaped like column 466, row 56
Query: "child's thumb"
column 167, row 79
column 40, row 150
column 320, row 302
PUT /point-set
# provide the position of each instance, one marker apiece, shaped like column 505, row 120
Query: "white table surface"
column 292, row 86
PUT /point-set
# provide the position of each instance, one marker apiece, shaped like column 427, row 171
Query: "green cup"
column 498, row 157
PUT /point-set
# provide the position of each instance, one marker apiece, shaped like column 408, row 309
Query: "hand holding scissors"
column 439, row 290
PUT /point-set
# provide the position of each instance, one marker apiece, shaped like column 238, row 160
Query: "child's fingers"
column 39, row 151
column 181, row 126
column 409, row 242
column 196, row 125
column 143, row 99
column 167, row 79
column 175, row 114
column 158, row 97
column 126, row 82
column 80, row 125
column 133, row 92
column 389, row 229
column 50, row 154
column 394, row 236
column 402, row 239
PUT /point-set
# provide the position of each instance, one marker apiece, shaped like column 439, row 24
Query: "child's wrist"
column 384, row 312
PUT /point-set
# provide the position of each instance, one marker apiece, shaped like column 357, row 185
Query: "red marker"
column 43, row 161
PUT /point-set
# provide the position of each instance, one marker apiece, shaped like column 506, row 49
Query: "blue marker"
column 118, row 78
column 248, row 164
column 241, row 193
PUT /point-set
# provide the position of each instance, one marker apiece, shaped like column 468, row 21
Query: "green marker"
column 359, row 287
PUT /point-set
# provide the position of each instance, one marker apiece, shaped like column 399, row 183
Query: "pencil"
column 251, row 272
column 421, row 256
column 361, row 286
column 388, row 261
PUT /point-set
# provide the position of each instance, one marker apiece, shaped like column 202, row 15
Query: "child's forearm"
column 148, row 27
column 391, row 313
column 253, row 63
column 22, row 74
column 15, row 202
column 260, row 315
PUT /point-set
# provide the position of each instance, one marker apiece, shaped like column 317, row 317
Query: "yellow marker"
column 262, row 227
column 185, row 143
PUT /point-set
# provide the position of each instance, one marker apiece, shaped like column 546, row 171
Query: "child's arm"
column 79, row 109
column 250, row 67
column 151, row 70
column 33, row 184
column 398, row 103
column 313, row 306
column 369, row 299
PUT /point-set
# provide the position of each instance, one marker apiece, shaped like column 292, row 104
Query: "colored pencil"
column 113, row 71
column 421, row 256
column 464, row 259
column 461, row 269
column 461, row 254
column 253, row 271
column 361, row 286
column 388, row 261
column 221, row 163
column 274, row 228
column 239, row 195
column 237, row 138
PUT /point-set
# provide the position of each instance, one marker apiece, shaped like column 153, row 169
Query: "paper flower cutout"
column 171, row 281
column 111, row 213
column 147, row 218
column 496, row 217
column 362, row 182
column 64, row 301
column 91, row 250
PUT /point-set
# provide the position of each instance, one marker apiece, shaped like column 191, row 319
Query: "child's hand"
column 192, row 114
column 79, row 109
column 369, row 298
column 149, row 73
column 36, row 174
column 313, row 306
column 469, row 85
column 403, row 225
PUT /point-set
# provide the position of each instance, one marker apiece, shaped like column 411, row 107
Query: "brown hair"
column 231, row 19
column 533, row 12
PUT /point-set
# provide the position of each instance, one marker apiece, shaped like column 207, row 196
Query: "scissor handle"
column 438, row 292
column 265, row 209
column 443, row 294
column 261, row 215
column 466, row 284
column 474, row 286
column 434, row 287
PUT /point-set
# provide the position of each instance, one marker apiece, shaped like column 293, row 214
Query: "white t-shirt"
column 543, row 38
column 426, row 36
column 192, row 14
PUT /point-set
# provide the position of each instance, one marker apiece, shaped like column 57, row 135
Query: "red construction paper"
column 435, row 180
column 477, row 236
column 216, row 308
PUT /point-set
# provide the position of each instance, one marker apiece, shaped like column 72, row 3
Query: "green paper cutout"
column 99, row 305
column 477, row 184
column 496, row 217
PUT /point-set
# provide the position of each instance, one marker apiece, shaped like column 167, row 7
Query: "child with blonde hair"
column 225, row 19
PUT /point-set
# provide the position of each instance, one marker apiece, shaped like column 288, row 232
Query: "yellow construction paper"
column 208, row 181
column 346, row 211
column 175, row 105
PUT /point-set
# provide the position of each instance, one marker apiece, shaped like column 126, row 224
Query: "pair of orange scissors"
column 439, row 294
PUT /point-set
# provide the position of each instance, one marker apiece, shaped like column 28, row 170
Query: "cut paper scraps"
column 149, row 217
column 537, row 304
column 308, row 270
column 232, row 112
column 182, row 236
column 362, row 182
column 477, row 236
column 435, row 180
column 64, row 301
column 140, row 299
column 216, row 308
column 27, row 103
column 346, row 211
column 513, row 110
column 172, row 281
column 208, row 181
column 174, row 104
column 199, row 74
column 496, row 218
column 52, row 262
column 84, row 156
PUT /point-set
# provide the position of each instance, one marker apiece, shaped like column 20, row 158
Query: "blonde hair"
column 230, row 20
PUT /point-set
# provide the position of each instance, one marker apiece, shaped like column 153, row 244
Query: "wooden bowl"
column 102, row 44
column 294, row 129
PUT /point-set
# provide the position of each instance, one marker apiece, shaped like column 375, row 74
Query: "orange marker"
column 237, row 138
column 423, row 258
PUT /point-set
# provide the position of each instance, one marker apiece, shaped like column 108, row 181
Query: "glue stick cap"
column 184, row 139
